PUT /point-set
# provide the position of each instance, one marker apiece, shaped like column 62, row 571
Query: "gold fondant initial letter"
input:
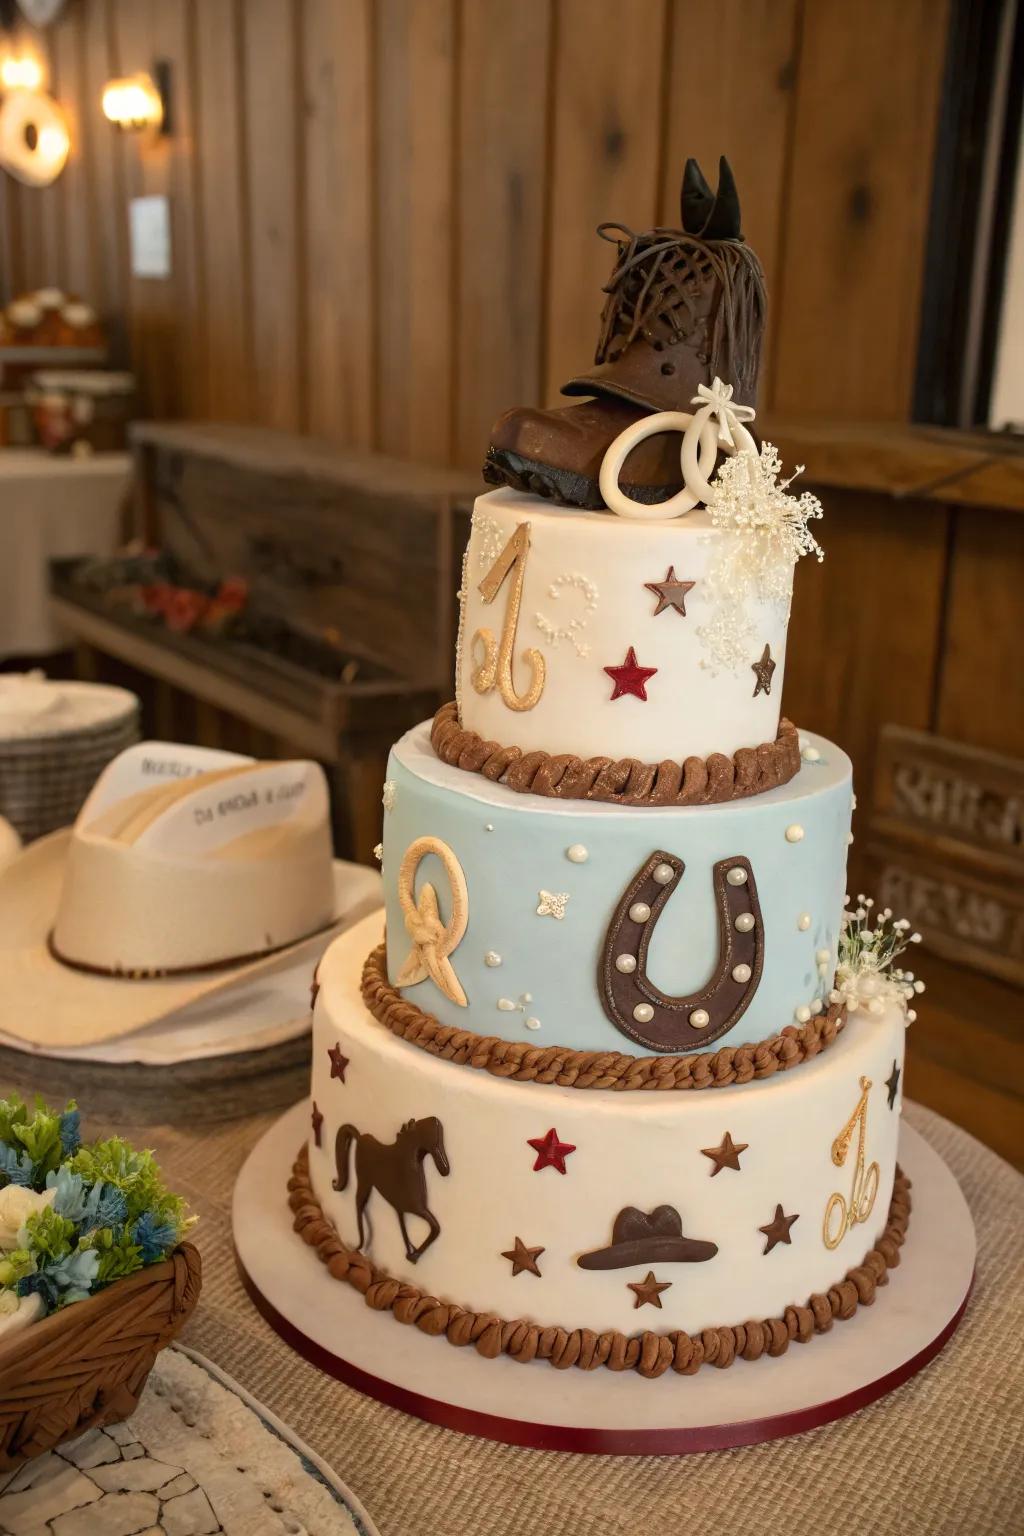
column 495, row 669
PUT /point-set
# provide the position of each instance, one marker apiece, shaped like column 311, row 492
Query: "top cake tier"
column 598, row 636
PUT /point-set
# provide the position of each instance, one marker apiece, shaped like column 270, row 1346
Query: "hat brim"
column 649, row 1250
column 44, row 1003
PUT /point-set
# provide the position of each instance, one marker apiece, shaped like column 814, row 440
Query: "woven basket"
column 87, row 1365
column 45, row 778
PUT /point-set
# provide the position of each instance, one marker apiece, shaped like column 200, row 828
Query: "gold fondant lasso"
column 432, row 940
column 865, row 1180
column 495, row 670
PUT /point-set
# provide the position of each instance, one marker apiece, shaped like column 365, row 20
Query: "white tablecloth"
column 50, row 508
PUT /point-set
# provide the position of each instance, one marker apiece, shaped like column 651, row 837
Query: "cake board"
column 856, row 1363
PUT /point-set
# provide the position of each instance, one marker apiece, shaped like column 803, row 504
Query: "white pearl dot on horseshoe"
column 639, row 912
column 663, row 873
column 699, row 1018
column 741, row 973
column 744, row 922
column 626, row 964
column 643, row 1013
column 737, row 876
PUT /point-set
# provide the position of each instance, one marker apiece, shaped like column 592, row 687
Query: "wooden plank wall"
column 383, row 210
column 383, row 216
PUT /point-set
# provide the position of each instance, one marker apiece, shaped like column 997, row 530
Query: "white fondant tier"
column 584, row 603
column 533, row 975
column 630, row 1149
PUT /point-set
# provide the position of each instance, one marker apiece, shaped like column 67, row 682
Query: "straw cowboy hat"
column 185, row 871
column 638, row 1238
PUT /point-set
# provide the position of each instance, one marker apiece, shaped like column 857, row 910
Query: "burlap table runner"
column 943, row 1454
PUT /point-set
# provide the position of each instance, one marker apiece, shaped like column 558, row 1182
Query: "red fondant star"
column 551, row 1153
column 631, row 677
column 338, row 1062
column 318, row 1120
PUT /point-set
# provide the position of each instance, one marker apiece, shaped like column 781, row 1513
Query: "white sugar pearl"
column 745, row 922
column 737, row 876
column 492, row 958
column 533, row 1023
column 626, row 964
column 802, row 1014
column 741, row 973
column 795, row 833
column 849, row 838
column 811, row 755
column 643, row 1013
column 663, row 873
column 639, row 912
column 506, row 1005
column 577, row 854
column 699, row 1018
column 823, row 956
column 816, row 1005
column 489, row 826
column 803, row 922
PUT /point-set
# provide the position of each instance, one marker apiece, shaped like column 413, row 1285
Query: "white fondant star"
column 552, row 904
column 387, row 798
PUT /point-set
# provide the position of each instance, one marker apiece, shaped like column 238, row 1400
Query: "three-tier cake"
column 598, row 1097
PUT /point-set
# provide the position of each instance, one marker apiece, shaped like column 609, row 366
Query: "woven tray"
column 45, row 779
column 86, row 1365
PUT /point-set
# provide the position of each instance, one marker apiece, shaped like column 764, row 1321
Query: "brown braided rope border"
column 566, row 1068
column 649, row 1354
column 696, row 781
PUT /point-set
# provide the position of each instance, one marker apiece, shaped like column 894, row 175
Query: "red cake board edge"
column 590, row 1441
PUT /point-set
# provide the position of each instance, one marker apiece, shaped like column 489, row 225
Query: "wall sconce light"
column 21, row 74
column 34, row 141
column 139, row 102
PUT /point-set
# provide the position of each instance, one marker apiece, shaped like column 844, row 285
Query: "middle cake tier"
column 602, row 928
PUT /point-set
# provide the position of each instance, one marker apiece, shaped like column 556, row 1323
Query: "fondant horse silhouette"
column 396, row 1170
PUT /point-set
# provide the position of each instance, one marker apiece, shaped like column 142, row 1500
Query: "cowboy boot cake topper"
column 683, row 308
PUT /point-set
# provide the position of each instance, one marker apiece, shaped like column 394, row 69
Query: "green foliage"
column 119, row 1256
column 51, row 1237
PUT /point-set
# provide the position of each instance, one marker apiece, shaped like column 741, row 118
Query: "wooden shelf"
column 908, row 463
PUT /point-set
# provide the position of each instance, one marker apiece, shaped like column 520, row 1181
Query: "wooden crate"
column 363, row 546
column 946, row 847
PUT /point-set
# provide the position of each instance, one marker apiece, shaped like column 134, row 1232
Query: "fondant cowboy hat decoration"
column 641, row 1238
column 186, row 872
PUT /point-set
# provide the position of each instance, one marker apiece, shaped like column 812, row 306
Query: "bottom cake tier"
column 641, row 1228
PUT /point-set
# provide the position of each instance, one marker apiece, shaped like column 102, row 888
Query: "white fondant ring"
column 698, row 457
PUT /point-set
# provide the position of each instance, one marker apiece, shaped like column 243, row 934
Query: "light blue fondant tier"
column 513, row 847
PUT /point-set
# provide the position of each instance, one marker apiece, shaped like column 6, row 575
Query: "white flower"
column 18, row 1311
column 17, row 1204
column 866, row 977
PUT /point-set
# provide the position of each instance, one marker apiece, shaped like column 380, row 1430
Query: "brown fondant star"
column 648, row 1292
column 777, row 1230
column 726, row 1154
column 318, row 1120
column 892, row 1082
column 523, row 1259
column 671, row 593
column 338, row 1061
column 763, row 671
column 314, row 987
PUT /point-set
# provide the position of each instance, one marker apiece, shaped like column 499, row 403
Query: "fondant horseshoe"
column 637, row 1007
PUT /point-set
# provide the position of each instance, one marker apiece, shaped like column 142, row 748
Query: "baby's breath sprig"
column 866, row 977
column 760, row 531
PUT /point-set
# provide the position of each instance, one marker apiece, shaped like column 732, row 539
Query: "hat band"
column 160, row 973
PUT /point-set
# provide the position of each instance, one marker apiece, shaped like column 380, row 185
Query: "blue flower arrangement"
column 74, row 1218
